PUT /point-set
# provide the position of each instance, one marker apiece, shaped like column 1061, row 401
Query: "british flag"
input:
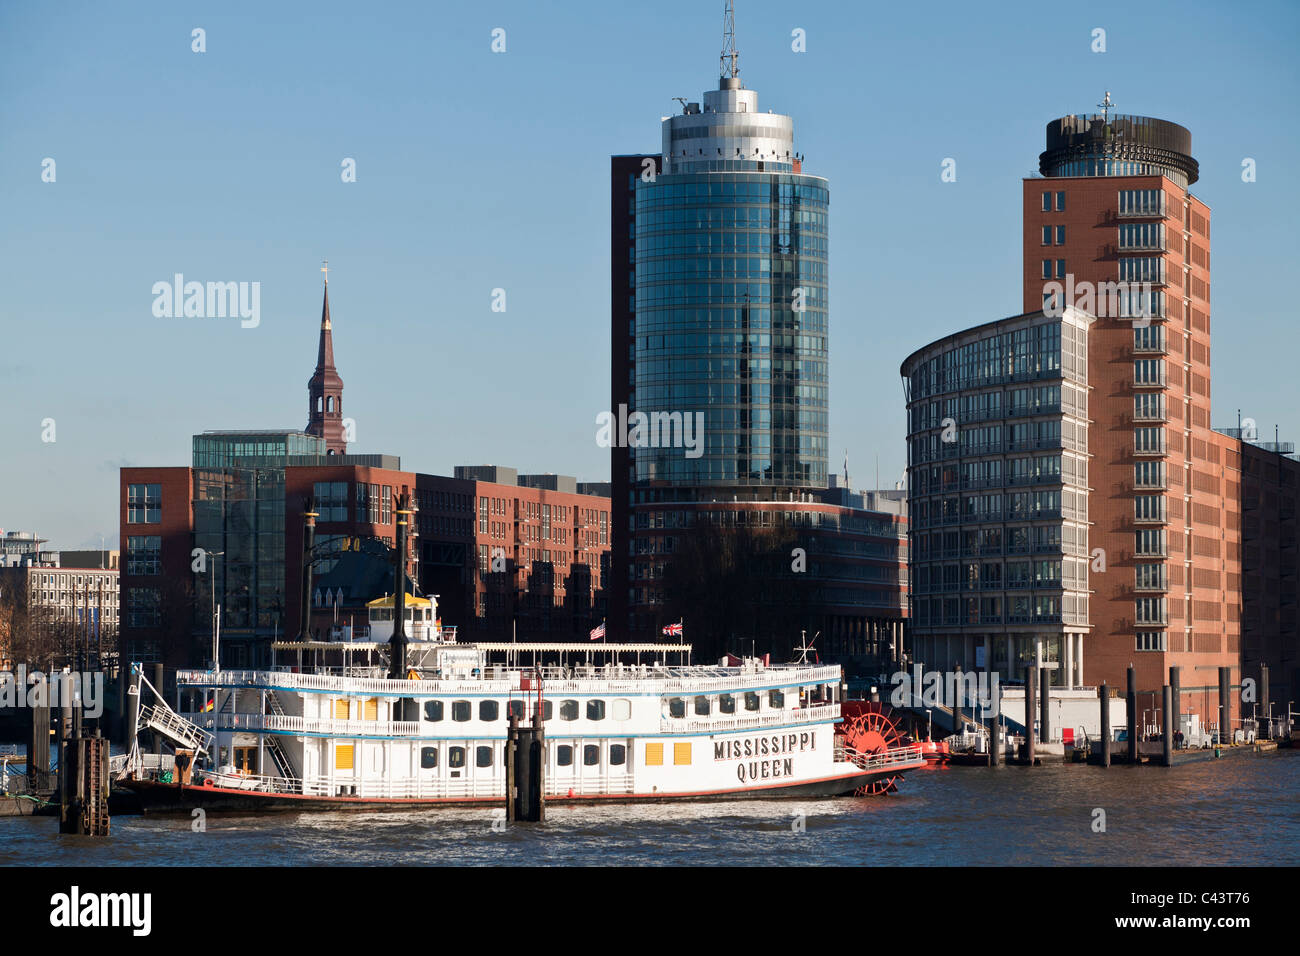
column 598, row 632
column 673, row 630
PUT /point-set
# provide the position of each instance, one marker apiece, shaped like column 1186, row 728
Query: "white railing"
column 899, row 757
column 800, row 715
column 289, row 724
column 502, row 680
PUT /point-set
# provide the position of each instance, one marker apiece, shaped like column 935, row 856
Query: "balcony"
column 1157, row 450
column 1144, row 212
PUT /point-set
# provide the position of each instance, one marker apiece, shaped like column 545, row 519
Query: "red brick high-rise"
column 1114, row 208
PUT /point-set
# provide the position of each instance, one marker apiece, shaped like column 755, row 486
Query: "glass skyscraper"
column 730, row 300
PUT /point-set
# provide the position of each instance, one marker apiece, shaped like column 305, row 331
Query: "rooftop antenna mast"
column 729, row 43
column 1106, row 106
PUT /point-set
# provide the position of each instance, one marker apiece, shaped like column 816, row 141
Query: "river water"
column 1242, row 810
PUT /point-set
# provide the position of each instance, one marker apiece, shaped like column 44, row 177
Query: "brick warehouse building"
column 719, row 309
column 241, row 502
column 1113, row 205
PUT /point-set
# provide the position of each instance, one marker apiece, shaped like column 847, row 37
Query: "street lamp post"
column 215, row 620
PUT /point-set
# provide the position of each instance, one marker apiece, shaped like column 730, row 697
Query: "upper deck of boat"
column 522, row 671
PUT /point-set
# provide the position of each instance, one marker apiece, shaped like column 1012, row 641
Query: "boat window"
column 595, row 710
column 547, row 710
column 702, row 706
column 433, row 710
column 515, row 708
column 776, row 698
column 455, row 757
column 460, row 710
column 591, row 755
column 564, row 756
column 568, row 710
column 727, row 703
column 621, row 709
column 676, row 706
column 617, row 755
column 428, row 758
column 751, row 700
column 489, row 710
column 483, row 757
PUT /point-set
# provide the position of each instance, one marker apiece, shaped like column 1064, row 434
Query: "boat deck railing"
column 610, row 678
column 899, row 758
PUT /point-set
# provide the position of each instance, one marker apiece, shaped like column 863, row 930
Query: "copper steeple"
column 325, row 388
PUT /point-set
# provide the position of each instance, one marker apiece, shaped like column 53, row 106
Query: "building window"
column 1047, row 202
column 1060, row 268
column 331, row 500
column 1150, row 576
column 143, row 607
column 1047, row 268
column 1152, row 641
column 1060, row 202
column 386, row 515
column 143, row 554
column 1060, row 235
column 143, row 504
column 1047, row 235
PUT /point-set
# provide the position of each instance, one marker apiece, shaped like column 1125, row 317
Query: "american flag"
column 673, row 630
column 598, row 632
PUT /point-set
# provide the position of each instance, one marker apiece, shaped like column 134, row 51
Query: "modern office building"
column 1112, row 229
column 997, row 453
column 719, row 335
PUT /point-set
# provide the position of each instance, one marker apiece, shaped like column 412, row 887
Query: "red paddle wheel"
column 872, row 730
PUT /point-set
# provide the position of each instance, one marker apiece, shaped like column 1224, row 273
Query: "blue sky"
column 478, row 170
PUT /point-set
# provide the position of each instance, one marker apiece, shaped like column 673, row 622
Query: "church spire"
column 325, row 387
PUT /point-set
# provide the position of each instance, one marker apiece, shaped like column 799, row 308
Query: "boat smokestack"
column 398, row 642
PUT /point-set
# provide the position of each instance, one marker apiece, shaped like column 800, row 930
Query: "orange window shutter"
column 681, row 754
column 654, row 755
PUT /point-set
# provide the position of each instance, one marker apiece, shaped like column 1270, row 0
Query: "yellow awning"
column 411, row 601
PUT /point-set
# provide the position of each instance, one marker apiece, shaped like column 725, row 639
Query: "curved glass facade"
column 998, row 494
column 731, row 323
